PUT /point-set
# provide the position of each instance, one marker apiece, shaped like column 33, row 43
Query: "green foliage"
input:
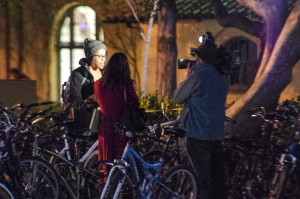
column 152, row 104
column 145, row 7
column 12, row 7
column 150, row 101
column 55, row 107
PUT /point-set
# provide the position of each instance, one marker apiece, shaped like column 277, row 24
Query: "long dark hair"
column 117, row 71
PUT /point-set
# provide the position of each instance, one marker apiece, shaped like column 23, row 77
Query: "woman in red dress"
column 109, row 91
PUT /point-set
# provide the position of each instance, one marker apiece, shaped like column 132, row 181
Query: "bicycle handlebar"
column 162, row 125
column 171, row 122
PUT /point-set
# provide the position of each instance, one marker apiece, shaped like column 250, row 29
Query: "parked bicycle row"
column 267, row 166
column 39, row 157
column 56, row 163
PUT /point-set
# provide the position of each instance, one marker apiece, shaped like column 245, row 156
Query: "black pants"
column 207, row 158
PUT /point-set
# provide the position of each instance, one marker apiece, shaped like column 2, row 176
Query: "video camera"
column 185, row 63
column 227, row 60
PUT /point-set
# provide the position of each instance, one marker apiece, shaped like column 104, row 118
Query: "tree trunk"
column 7, row 39
column 21, row 37
column 166, row 49
column 272, row 79
column 153, row 13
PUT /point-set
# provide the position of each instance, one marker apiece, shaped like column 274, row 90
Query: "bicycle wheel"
column 91, row 160
column 252, row 177
column 292, row 187
column 38, row 178
column 232, row 152
column 180, row 182
column 277, row 192
column 97, row 172
column 93, row 186
column 5, row 193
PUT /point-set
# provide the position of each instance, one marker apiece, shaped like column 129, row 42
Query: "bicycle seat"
column 178, row 132
column 45, row 139
column 61, row 121
column 80, row 133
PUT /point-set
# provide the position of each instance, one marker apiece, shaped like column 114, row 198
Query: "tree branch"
column 239, row 21
column 259, row 7
column 137, row 19
column 276, row 75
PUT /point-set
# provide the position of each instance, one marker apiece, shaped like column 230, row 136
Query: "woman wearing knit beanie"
column 96, row 55
column 81, row 98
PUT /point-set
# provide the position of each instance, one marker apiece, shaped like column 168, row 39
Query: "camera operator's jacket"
column 203, row 95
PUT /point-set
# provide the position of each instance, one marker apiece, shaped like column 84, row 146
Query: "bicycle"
column 270, row 162
column 76, row 173
column 29, row 177
column 285, row 182
column 72, row 170
column 134, row 174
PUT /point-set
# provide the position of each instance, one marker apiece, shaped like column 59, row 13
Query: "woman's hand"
column 91, row 102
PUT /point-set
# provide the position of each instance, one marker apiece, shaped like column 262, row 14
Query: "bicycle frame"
column 286, row 163
column 65, row 157
column 10, row 153
column 67, row 147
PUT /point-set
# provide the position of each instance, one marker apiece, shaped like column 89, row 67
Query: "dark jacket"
column 81, row 90
column 203, row 94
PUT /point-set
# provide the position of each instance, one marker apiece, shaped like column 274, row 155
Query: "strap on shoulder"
column 125, row 94
column 84, row 76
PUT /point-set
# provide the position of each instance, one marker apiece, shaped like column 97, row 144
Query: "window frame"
column 243, row 82
column 71, row 45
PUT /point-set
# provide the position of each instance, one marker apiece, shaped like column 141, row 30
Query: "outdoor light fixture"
column 83, row 26
column 208, row 37
column 237, row 56
column 201, row 39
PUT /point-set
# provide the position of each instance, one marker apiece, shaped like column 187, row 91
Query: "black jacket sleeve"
column 76, row 100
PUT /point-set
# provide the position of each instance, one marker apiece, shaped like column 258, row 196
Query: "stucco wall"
column 292, row 91
column 188, row 32
column 17, row 91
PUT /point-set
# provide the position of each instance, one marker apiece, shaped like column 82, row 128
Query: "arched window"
column 79, row 23
column 246, row 51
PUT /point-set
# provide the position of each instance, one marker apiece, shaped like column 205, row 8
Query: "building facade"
column 44, row 39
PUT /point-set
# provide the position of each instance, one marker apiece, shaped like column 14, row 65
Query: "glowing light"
column 82, row 26
column 201, row 39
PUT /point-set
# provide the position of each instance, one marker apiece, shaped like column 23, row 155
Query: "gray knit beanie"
column 91, row 46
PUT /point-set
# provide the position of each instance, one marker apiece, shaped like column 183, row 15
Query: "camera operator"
column 203, row 95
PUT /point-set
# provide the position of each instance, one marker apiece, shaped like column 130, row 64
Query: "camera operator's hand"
column 189, row 70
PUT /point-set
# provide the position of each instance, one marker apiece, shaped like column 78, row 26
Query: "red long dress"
column 111, row 143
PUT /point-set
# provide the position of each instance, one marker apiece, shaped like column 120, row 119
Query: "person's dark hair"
column 116, row 72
